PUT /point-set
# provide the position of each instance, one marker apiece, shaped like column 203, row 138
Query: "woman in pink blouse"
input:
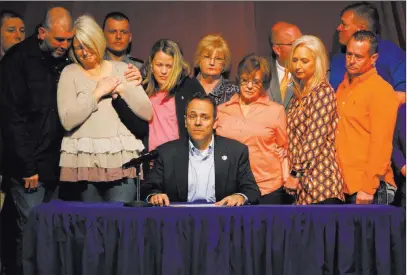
column 251, row 118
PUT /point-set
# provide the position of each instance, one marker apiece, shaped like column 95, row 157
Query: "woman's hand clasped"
column 106, row 86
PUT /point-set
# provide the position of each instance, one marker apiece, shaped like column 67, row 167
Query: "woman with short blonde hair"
column 96, row 143
column 212, row 62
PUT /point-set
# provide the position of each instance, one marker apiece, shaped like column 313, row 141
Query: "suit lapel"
column 274, row 89
column 221, row 167
column 181, row 164
column 288, row 95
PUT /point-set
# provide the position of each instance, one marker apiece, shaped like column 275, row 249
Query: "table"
column 66, row 238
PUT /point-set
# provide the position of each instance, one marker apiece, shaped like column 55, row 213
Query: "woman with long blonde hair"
column 311, row 124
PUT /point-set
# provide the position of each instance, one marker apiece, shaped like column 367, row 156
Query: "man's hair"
column 202, row 97
column 367, row 36
column 6, row 14
column 116, row 15
column 48, row 19
column 252, row 63
column 368, row 12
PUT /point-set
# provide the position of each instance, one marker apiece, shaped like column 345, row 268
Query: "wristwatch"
column 296, row 174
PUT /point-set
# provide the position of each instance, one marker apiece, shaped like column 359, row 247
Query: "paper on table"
column 195, row 205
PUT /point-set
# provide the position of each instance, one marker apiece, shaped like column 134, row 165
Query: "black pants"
column 17, row 205
column 331, row 201
column 279, row 196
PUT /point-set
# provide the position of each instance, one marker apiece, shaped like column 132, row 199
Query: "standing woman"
column 211, row 62
column 96, row 143
column 169, row 88
column 251, row 118
column 311, row 123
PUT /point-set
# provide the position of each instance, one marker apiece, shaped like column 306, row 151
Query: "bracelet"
column 297, row 174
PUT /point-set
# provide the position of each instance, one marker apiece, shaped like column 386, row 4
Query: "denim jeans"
column 384, row 194
column 120, row 191
column 18, row 204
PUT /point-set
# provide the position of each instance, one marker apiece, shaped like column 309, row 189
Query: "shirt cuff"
column 246, row 200
column 149, row 196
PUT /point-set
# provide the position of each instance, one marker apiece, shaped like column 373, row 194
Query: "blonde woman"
column 211, row 63
column 96, row 143
column 311, row 123
column 169, row 89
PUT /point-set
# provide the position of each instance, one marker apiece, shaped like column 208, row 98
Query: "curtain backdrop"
column 245, row 25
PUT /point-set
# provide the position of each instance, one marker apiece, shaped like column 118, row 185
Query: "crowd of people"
column 294, row 128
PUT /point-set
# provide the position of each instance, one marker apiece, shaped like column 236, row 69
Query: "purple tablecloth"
column 66, row 238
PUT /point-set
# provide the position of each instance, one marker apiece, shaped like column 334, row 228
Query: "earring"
column 374, row 64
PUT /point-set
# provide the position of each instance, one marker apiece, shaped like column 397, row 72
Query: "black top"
column 32, row 132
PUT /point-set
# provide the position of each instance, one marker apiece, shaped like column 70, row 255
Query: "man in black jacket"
column 206, row 167
column 31, row 129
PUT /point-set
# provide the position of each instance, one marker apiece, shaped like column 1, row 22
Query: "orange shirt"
column 367, row 110
column 262, row 128
column 163, row 127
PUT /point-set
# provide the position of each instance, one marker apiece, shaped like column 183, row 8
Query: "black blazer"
column 183, row 93
column 232, row 171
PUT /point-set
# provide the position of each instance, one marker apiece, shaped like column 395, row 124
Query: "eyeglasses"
column 255, row 82
column 218, row 60
column 284, row 44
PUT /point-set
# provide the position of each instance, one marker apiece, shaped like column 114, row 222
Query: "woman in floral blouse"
column 311, row 124
column 211, row 64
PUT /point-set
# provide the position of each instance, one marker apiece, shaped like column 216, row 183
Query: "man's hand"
column 160, row 199
column 31, row 183
column 232, row 200
column 403, row 170
column 401, row 96
column 133, row 74
column 363, row 198
column 281, row 152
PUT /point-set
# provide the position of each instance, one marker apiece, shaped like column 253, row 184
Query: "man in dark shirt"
column 29, row 75
column 398, row 156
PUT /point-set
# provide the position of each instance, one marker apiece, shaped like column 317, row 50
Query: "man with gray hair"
column 391, row 62
column 32, row 132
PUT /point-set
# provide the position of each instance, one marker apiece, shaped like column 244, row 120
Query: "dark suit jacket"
column 274, row 89
column 232, row 171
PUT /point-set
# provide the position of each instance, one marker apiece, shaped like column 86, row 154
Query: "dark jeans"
column 278, row 196
column 17, row 206
column 400, row 199
column 121, row 191
column 385, row 194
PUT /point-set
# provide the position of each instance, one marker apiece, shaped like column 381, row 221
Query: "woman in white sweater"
column 96, row 143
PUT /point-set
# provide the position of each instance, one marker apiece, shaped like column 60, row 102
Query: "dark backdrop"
column 245, row 25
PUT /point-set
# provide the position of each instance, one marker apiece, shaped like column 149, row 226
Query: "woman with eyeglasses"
column 211, row 65
column 251, row 118
column 312, row 119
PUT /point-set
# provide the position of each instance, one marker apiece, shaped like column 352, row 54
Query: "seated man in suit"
column 205, row 167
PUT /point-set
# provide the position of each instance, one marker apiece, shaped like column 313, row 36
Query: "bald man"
column 32, row 133
column 282, row 36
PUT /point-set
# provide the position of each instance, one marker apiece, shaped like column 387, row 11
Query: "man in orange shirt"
column 367, row 108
